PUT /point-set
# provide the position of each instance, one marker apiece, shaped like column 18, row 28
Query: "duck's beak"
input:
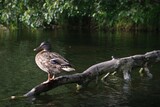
column 37, row 49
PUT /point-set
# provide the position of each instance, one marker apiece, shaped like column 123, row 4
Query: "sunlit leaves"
column 103, row 13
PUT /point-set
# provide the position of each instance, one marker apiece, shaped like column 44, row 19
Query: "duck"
column 51, row 62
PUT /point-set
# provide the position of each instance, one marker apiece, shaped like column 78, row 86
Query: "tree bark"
column 124, row 65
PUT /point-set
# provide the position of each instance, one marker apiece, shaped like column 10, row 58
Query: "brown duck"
column 51, row 62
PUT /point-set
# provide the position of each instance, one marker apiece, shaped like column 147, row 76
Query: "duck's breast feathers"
column 43, row 61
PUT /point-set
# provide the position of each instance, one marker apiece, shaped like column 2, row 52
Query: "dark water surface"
column 19, row 73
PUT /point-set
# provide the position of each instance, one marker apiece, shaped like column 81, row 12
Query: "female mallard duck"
column 51, row 62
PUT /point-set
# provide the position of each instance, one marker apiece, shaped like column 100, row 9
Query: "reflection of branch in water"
column 113, row 83
column 127, row 88
column 124, row 86
column 113, row 89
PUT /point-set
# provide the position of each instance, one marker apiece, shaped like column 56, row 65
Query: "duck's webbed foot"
column 46, row 81
column 50, row 77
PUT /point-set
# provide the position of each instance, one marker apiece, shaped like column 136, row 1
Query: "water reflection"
column 19, row 73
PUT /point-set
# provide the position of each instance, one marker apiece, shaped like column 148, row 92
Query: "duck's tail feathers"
column 68, row 69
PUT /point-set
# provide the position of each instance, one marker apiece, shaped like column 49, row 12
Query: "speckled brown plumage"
column 51, row 62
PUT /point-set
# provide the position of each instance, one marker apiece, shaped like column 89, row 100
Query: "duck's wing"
column 55, row 55
column 59, row 60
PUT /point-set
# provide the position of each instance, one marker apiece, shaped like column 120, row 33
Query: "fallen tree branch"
column 124, row 65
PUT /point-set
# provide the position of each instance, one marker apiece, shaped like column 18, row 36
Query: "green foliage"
column 101, row 14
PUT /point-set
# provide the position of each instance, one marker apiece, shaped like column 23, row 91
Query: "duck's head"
column 43, row 46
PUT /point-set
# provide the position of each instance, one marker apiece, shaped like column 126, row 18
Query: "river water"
column 19, row 73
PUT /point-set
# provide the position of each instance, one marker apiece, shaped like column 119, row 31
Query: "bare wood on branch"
column 124, row 65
